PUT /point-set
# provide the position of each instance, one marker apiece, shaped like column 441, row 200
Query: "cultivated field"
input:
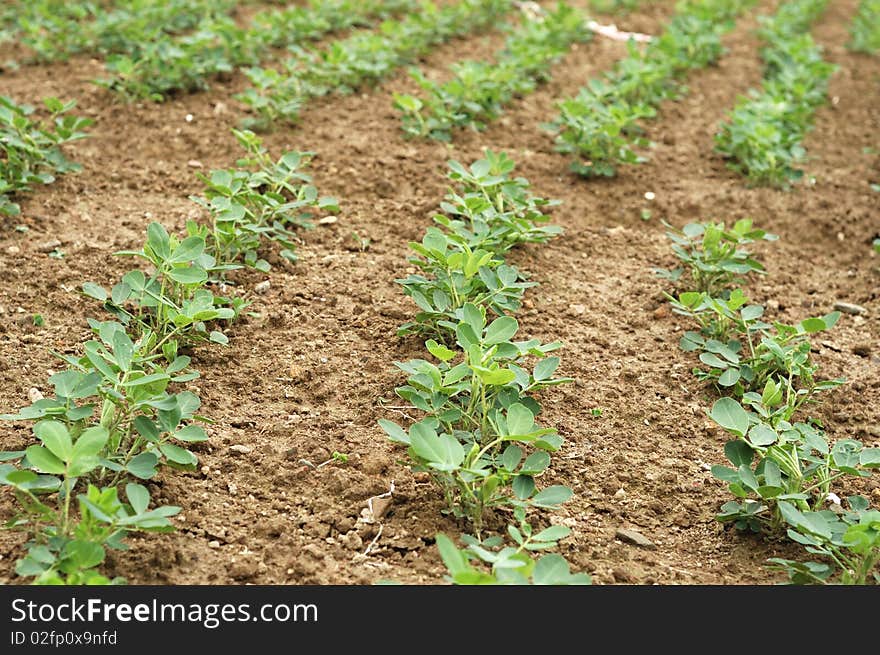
column 223, row 401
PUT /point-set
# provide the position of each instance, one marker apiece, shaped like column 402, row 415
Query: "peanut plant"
column 784, row 470
column 478, row 439
column 479, row 90
column 488, row 213
column 510, row 564
column 714, row 255
column 601, row 126
column 259, row 199
column 30, row 150
column 762, row 138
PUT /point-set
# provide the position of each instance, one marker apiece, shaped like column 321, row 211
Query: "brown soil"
column 312, row 374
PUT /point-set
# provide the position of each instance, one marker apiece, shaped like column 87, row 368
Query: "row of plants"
column 762, row 137
column 217, row 45
column 601, row 126
column 30, row 148
column 479, row 439
column 478, row 91
column 785, row 472
column 277, row 96
column 865, row 29
column 120, row 411
column 95, row 28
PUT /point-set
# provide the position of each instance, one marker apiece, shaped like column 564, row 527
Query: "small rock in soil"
column 849, row 308
column 862, row 350
column 13, row 250
column 576, row 310
column 622, row 575
column 34, row 394
column 243, row 569
column 240, row 449
column 634, row 538
column 328, row 220
column 214, row 544
column 48, row 246
column 262, row 287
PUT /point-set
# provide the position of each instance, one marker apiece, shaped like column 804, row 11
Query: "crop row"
column 479, row 90
column 30, row 150
column 123, row 28
column 762, row 138
column 785, row 470
column 865, row 30
column 218, row 45
column 478, row 439
column 601, row 125
column 279, row 95
column 119, row 410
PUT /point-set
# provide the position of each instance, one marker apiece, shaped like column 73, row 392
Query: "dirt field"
column 315, row 371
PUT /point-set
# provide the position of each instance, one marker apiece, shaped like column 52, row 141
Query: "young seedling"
column 510, row 564
column 30, row 150
column 714, row 256
column 795, row 464
column 260, row 199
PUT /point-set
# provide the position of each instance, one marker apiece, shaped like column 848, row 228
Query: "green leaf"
column 729, row 378
column 751, row 312
column 158, row 240
column 813, row 325
column 523, row 486
column 439, row 351
column 444, row 452
column 191, row 434
column 739, row 453
column 452, row 557
column 95, row 291
column 56, row 438
column 552, row 569
column 43, row 460
column 501, row 330
column 497, row 378
column 188, row 250
column 809, row 522
column 147, row 379
column 178, row 455
column 83, row 554
column 870, row 458
column 520, row 419
column 138, row 497
column 394, row 431
column 218, row 337
column 90, row 443
column 189, row 275
column 730, row 415
column 552, row 496
column 710, row 359
column 553, row 533
column 143, row 466
column 536, row 463
column 545, row 368
column 762, row 435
